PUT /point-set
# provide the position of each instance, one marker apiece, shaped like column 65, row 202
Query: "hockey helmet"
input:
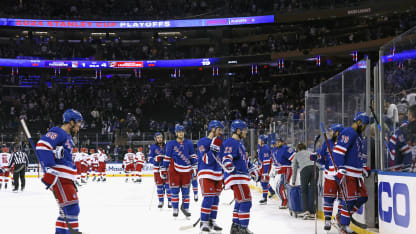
column 129, row 150
column 92, row 151
column 157, row 134
column 215, row 124
column 238, row 124
column 74, row 150
column 72, row 114
column 263, row 138
column 363, row 117
column 336, row 127
column 179, row 128
column 5, row 150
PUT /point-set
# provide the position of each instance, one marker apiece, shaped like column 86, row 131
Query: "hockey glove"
column 50, row 177
column 230, row 168
column 59, row 152
column 163, row 173
column 340, row 175
column 254, row 174
column 216, row 144
column 366, row 171
column 314, row 156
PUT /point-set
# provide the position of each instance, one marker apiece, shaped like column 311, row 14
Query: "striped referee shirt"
column 18, row 158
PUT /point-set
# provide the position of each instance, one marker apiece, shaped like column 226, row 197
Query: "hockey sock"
column 244, row 214
column 345, row 217
column 185, row 196
column 168, row 191
column 71, row 214
column 160, row 192
column 282, row 193
column 175, row 197
column 195, row 186
column 328, row 206
column 206, row 208
column 265, row 186
column 235, row 212
column 214, row 207
column 140, row 175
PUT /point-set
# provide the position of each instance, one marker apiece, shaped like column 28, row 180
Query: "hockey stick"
column 355, row 222
column 61, row 211
column 315, row 180
column 187, row 227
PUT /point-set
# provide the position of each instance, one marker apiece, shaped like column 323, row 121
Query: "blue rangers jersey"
column 233, row 152
column 349, row 152
column 274, row 159
column 400, row 147
column 57, row 137
column 208, row 167
column 326, row 160
column 183, row 155
column 284, row 156
column 156, row 156
column 264, row 159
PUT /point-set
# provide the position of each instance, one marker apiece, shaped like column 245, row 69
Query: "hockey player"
column 54, row 151
column 139, row 162
column 181, row 161
column 349, row 158
column 156, row 155
column 76, row 157
column 128, row 164
column 84, row 164
column 94, row 163
column 238, row 170
column 283, row 157
column 102, row 159
column 4, row 170
column 264, row 166
column 210, row 175
column 330, row 186
column 402, row 142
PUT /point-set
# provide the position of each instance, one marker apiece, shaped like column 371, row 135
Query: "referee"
column 19, row 162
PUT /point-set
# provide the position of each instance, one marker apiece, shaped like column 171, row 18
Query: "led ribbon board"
column 36, row 23
column 107, row 64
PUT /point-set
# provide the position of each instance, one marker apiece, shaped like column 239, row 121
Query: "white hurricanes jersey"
column 102, row 157
column 139, row 158
column 5, row 159
column 128, row 158
column 84, row 158
column 94, row 158
column 77, row 157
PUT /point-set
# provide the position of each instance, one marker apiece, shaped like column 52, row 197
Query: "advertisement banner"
column 112, row 169
column 37, row 23
column 397, row 206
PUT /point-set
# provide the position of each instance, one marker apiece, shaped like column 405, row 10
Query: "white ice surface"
column 119, row 207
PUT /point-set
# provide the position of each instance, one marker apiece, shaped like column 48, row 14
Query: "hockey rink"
column 118, row 207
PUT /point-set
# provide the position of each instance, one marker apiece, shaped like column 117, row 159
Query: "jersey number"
column 51, row 135
column 228, row 150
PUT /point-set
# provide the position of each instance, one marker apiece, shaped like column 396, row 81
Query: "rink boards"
column 112, row 169
column 397, row 205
